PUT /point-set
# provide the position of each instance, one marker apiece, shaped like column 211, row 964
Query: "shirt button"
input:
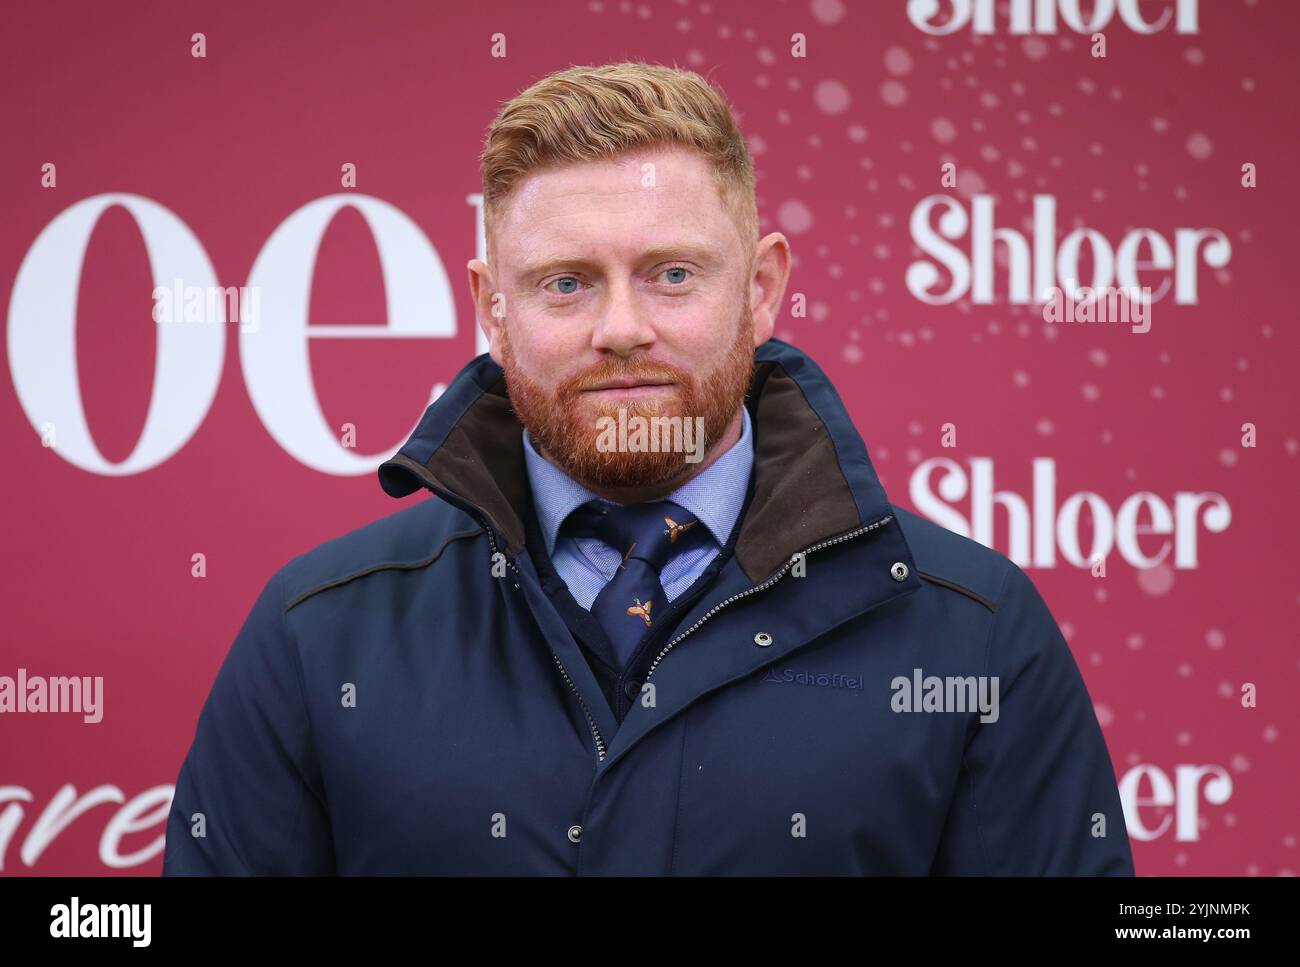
column 632, row 689
column 575, row 834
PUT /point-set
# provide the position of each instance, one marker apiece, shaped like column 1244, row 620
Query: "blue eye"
column 563, row 279
column 678, row 268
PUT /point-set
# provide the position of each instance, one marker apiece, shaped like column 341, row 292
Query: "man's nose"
column 624, row 323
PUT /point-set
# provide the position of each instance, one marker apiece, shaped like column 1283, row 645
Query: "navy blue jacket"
column 407, row 699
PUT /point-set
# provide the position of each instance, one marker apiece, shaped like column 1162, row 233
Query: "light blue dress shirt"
column 716, row 497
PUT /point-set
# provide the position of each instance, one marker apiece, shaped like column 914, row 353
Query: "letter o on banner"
column 275, row 358
column 43, row 331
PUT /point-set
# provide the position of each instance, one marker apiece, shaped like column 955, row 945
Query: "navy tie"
column 649, row 535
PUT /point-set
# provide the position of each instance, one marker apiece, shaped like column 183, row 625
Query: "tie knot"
column 652, row 532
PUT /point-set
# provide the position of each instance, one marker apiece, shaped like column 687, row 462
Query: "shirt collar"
column 715, row 496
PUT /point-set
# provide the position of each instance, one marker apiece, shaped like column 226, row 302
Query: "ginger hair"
column 595, row 113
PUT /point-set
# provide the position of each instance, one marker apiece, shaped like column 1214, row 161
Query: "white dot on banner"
column 1035, row 48
column 1199, row 146
column 1156, row 581
column 794, row 216
column 828, row 11
column 898, row 61
column 832, row 97
column 969, row 183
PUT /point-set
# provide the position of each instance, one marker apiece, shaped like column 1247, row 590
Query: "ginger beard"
column 564, row 424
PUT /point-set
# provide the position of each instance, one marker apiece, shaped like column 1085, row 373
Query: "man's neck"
column 639, row 494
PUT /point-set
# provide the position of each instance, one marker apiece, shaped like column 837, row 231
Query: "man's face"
column 629, row 270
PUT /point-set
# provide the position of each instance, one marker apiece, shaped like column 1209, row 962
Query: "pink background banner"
column 937, row 167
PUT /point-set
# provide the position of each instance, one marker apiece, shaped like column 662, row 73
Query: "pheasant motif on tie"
column 643, row 610
column 652, row 534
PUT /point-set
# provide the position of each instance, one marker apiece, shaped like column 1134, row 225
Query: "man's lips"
column 631, row 387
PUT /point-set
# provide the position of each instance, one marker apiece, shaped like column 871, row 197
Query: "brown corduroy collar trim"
column 801, row 494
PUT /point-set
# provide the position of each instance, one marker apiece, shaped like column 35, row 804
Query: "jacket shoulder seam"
column 384, row 566
column 953, row 586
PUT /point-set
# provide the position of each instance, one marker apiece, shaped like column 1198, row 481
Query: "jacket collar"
column 813, row 478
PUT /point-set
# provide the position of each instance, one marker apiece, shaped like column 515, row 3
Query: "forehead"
column 636, row 199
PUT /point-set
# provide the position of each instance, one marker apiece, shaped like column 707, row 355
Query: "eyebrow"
column 702, row 255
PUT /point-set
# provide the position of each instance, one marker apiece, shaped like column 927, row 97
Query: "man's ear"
column 767, row 287
column 486, row 299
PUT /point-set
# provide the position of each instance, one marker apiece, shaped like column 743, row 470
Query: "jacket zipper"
column 564, row 672
column 766, row 584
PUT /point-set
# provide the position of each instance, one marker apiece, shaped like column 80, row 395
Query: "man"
column 728, row 655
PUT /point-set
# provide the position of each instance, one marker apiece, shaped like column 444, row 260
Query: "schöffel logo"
column 789, row 675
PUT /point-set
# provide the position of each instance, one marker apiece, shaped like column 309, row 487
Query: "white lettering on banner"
column 1051, row 527
column 1052, row 268
column 277, row 367
column 1185, row 798
column 42, row 329
column 1039, row 16
column 145, row 811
